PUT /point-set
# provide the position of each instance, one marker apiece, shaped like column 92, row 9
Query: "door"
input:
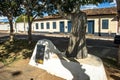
column 62, row 26
column 91, row 27
column 69, row 26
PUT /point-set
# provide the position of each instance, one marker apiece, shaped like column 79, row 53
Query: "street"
column 98, row 47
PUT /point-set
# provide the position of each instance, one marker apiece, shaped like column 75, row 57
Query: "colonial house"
column 102, row 22
column 52, row 24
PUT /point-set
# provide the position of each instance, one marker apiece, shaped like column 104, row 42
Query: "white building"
column 100, row 22
column 52, row 24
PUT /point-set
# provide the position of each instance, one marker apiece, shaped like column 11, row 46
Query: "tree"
column 118, row 19
column 35, row 8
column 10, row 9
column 21, row 18
column 70, row 9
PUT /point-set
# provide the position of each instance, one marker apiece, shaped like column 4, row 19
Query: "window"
column 62, row 26
column 42, row 25
column 48, row 25
column 36, row 25
column 69, row 26
column 54, row 25
column 105, row 24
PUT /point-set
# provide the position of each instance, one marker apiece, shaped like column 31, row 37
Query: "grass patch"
column 11, row 51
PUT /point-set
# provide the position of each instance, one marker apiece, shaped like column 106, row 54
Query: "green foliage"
column 10, row 52
column 68, row 6
column 21, row 18
column 10, row 7
column 33, row 8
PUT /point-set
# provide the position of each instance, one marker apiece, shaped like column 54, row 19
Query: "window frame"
column 42, row 25
column 47, row 25
column 36, row 26
column 54, row 25
column 105, row 23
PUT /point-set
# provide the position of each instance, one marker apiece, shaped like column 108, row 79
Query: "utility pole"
column 24, row 24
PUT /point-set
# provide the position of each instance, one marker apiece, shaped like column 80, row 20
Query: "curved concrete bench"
column 55, row 62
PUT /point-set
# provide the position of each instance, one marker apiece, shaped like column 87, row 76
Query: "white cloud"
column 2, row 17
column 90, row 6
column 113, row 3
column 102, row 5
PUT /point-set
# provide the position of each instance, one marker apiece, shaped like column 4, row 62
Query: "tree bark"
column 118, row 14
column 77, row 44
column 99, row 34
column 11, row 29
column 118, row 56
column 29, row 30
column 118, row 60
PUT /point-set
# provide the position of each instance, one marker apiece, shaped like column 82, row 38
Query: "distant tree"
column 70, row 9
column 35, row 8
column 21, row 18
column 10, row 9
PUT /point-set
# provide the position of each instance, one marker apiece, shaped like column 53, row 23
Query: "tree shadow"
column 104, row 49
column 16, row 73
column 103, row 52
column 75, row 68
column 9, row 73
column 108, row 55
column 12, row 51
column 3, row 39
column 71, row 64
column 115, row 77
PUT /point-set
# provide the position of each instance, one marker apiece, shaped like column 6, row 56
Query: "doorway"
column 91, row 27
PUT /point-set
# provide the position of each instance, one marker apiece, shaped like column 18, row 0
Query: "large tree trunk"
column 119, row 45
column 77, row 44
column 118, row 56
column 11, row 29
column 118, row 13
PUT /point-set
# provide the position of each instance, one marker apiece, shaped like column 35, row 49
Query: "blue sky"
column 90, row 6
column 3, row 19
column 102, row 5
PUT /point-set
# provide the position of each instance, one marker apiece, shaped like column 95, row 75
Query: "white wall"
column 4, row 27
column 51, row 25
column 112, row 26
column 20, row 26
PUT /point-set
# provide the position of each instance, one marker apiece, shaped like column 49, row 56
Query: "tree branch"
column 34, row 17
column 63, row 14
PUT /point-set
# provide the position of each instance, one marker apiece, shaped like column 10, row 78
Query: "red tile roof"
column 89, row 12
column 102, row 11
column 49, row 17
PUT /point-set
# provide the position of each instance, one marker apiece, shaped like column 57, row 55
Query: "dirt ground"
column 21, row 70
column 112, row 73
